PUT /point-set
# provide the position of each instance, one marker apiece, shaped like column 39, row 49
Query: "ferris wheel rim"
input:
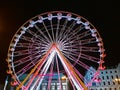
column 12, row 65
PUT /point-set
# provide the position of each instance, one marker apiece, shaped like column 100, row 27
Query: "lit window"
column 64, row 87
column 53, row 88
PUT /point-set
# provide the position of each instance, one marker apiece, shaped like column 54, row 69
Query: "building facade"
column 55, row 84
column 109, row 79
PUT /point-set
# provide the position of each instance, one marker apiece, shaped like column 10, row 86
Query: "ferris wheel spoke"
column 26, row 38
column 89, row 49
column 25, row 45
column 36, row 36
column 71, row 53
column 24, row 59
column 76, row 80
column 88, row 41
column 35, row 74
column 72, row 36
column 58, row 71
column 62, row 30
column 72, row 58
column 51, row 24
column 33, row 33
column 84, row 34
column 47, row 31
column 72, row 44
column 90, row 58
column 66, row 33
column 57, row 29
column 24, row 52
column 42, row 40
column 28, row 57
column 79, row 74
column 74, row 33
column 27, row 67
column 31, row 47
column 70, row 29
column 50, row 76
column 41, row 61
column 71, row 49
column 40, row 31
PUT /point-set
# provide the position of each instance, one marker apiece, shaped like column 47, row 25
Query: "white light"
column 12, row 45
column 40, row 19
column 86, row 23
column 32, row 22
column 100, row 44
column 49, row 16
column 102, row 55
column 59, row 15
column 23, row 28
column 101, row 50
column 16, row 40
column 8, row 60
column 78, row 18
column 22, row 32
column 78, row 22
column 69, row 17
column 93, row 30
column 12, row 49
column 94, row 34
column 99, row 39
column 17, row 35
column 87, row 27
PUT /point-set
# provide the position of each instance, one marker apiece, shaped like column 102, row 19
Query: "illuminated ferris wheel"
column 56, row 42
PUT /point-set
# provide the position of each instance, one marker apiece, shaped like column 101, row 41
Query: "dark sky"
column 105, row 16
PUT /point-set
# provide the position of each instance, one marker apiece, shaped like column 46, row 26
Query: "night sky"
column 105, row 16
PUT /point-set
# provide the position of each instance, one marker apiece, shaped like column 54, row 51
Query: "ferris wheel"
column 55, row 43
